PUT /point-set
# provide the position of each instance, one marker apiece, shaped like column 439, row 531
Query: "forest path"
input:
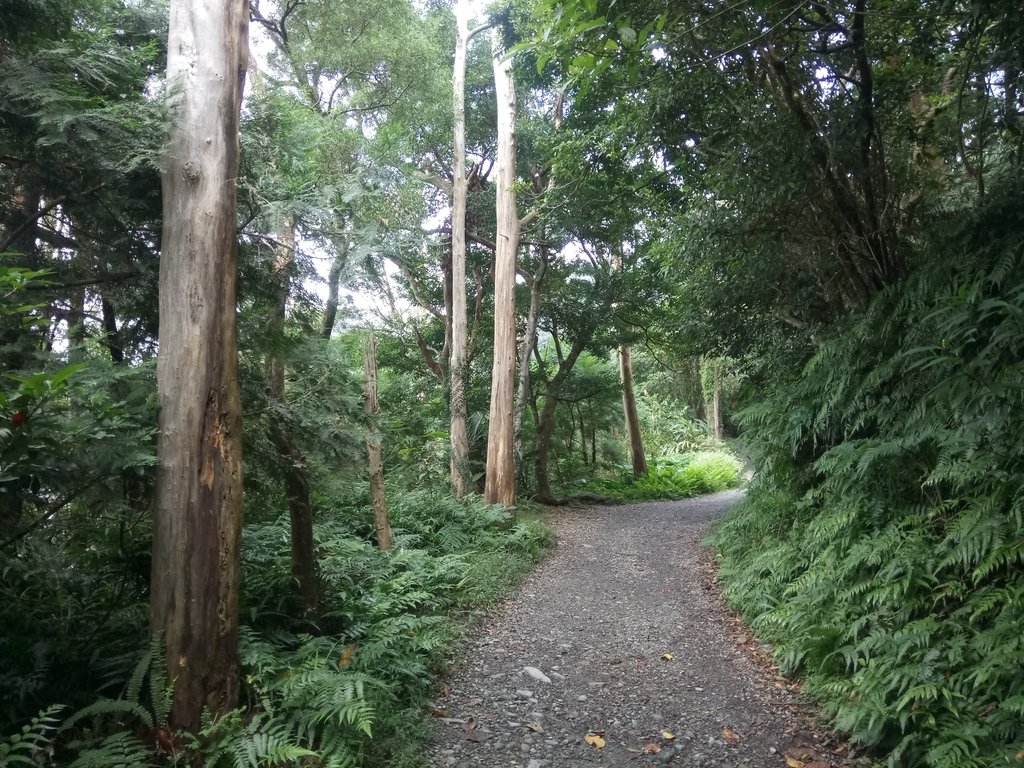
column 624, row 586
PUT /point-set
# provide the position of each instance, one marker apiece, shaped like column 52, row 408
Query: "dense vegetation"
column 797, row 224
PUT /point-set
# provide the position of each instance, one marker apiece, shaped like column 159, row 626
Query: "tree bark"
column 546, row 423
column 378, row 495
column 331, row 307
column 500, row 484
column 294, row 472
column 529, row 342
column 110, row 336
column 198, row 508
column 456, row 370
column 636, row 441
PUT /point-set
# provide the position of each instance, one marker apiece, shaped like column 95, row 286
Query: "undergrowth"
column 348, row 689
column 680, row 478
column 881, row 547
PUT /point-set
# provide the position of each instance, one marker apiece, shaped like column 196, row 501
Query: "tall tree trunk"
column 198, row 508
column 378, row 496
column 293, row 466
column 529, row 342
column 460, row 476
column 636, row 441
column 500, row 485
column 456, row 369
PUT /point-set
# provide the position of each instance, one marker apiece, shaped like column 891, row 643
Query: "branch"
column 42, row 212
column 428, row 355
column 481, row 240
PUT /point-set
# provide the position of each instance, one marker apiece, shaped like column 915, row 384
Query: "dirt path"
column 624, row 586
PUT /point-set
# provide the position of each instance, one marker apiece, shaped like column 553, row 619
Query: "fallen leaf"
column 817, row 764
column 346, row 655
column 469, row 725
column 666, row 657
column 792, row 762
column 651, row 749
column 667, row 735
column 439, row 713
column 730, row 736
column 1020, row 755
column 595, row 740
column 535, row 727
column 478, row 736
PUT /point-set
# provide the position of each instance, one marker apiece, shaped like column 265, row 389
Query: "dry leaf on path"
column 666, row 657
column 469, row 725
column 478, row 736
column 667, row 735
column 730, row 736
column 595, row 740
column 535, row 727
column 651, row 749
column 439, row 713
column 792, row 762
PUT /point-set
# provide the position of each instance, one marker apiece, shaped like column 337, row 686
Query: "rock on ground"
column 641, row 655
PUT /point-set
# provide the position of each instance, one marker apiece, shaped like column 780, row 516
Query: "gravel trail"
column 596, row 622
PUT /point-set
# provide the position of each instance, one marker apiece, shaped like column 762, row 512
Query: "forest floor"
column 618, row 651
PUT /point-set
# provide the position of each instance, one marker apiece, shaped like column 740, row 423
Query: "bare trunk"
column 529, row 342
column 716, row 404
column 110, row 336
column 76, row 323
column 294, row 472
column 500, row 486
column 546, row 423
column 378, row 496
column 331, row 307
column 456, row 370
column 198, row 508
column 636, row 441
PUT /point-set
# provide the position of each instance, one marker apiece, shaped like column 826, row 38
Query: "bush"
column 690, row 475
column 880, row 548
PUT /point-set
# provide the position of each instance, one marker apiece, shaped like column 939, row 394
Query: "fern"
column 33, row 740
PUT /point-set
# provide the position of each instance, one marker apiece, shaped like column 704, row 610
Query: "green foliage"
column 680, row 478
column 880, row 548
column 34, row 740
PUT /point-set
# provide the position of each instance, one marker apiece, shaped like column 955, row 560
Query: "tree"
column 293, row 463
column 460, row 186
column 378, row 496
column 500, row 483
column 633, row 434
column 198, row 507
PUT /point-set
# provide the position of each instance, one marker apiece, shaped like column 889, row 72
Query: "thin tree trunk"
column 546, row 424
column 378, row 495
column 636, row 441
column 500, row 484
column 331, row 307
column 76, row 323
column 293, row 467
column 529, row 342
column 716, row 404
column 110, row 336
column 198, row 507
